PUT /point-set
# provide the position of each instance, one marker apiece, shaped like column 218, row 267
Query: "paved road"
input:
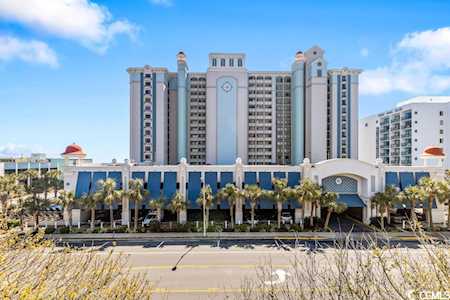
column 210, row 269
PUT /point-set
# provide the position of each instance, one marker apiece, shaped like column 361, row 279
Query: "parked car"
column 286, row 217
column 150, row 218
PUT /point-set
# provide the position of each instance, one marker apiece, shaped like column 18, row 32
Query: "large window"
column 231, row 62
column 239, row 62
column 214, row 62
column 222, row 62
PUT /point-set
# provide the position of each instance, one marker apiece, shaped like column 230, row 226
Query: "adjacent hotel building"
column 399, row 136
column 262, row 117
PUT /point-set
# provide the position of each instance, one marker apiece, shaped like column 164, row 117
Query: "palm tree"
column 177, row 204
column 307, row 192
column 412, row 195
column 158, row 205
column 432, row 190
column 205, row 199
column 233, row 195
column 137, row 194
column 108, row 193
column 8, row 189
column 67, row 199
column 391, row 193
column 55, row 181
column 381, row 202
column 29, row 175
column 253, row 193
column 279, row 195
column 90, row 201
column 444, row 196
column 34, row 203
column 329, row 200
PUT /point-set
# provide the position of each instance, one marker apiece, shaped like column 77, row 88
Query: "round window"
column 338, row 181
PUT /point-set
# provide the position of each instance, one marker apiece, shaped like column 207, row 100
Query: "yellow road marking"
column 192, row 266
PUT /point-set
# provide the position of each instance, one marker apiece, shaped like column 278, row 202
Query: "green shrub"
column 13, row 223
column 50, row 230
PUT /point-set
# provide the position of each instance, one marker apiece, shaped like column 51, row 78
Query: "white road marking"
column 160, row 244
column 281, row 276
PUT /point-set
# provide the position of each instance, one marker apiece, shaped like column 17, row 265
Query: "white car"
column 286, row 217
column 150, row 219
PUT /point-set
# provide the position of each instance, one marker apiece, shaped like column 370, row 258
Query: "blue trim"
column 137, row 175
column 153, row 187
column 170, row 185
column 225, row 178
column 420, row 175
column 117, row 176
column 96, row 177
column 250, row 178
column 349, row 118
column 211, row 180
column 406, row 179
column 279, row 175
column 142, row 116
column 351, row 200
column 339, row 116
column 293, row 180
column 265, row 182
column 391, row 178
column 194, row 187
column 83, row 184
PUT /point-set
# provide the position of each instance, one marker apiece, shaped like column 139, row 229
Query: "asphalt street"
column 213, row 269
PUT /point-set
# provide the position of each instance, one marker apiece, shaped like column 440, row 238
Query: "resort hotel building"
column 400, row 135
column 231, row 125
column 262, row 117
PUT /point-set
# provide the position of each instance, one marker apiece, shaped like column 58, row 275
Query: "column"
column 182, row 179
column 126, row 200
column 239, row 175
column 298, row 109
column 182, row 106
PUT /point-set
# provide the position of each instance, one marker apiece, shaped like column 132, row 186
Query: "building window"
column 239, row 62
column 441, row 131
column 231, row 62
column 222, row 62
column 441, row 113
column 441, row 122
column 441, row 141
column 319, row 73
column 214, row 62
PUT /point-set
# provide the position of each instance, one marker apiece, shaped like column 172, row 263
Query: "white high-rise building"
column 399, row 136
column 262, row 117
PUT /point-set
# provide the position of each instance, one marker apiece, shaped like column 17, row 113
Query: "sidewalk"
column 317, row 236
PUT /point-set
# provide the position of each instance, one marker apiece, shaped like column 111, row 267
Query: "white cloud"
column 32, row 51
column 364, row 52
column 15, row 150
column 420, row 64
column 84, row 21
column 162, row 2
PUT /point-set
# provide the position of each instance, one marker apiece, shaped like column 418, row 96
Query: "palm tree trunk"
column 311, row 217
column 92, row 217
column 388, row 213
column 252, row 213
column 303, row 213
column 36, row 219
column 413, row 212
column 207, row 218
column 382, row 219
column 327, row 219
column 279, row 209
column 111, row 215
column 430, row 213
column 231, row 216
column 178, row 216
column 136, row 215
column 448, row 215
column 70, row 217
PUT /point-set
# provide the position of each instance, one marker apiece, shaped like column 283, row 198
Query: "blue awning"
column 83, row 184
column 391, row 178
column 170, row 185
column 420, row 175
column 194, row 187
column 117, row 176
column 406, row 179
column 225, row 178
column 351, row 200
column 96, row 177
column 153, row 186
column 137, row 175
column 265, row 182
column 211, row 181
column 293, row 180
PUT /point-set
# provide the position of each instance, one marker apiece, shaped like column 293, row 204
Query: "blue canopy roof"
column 351, row 200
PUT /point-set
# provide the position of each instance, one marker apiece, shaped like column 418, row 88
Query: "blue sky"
column 62, row 63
